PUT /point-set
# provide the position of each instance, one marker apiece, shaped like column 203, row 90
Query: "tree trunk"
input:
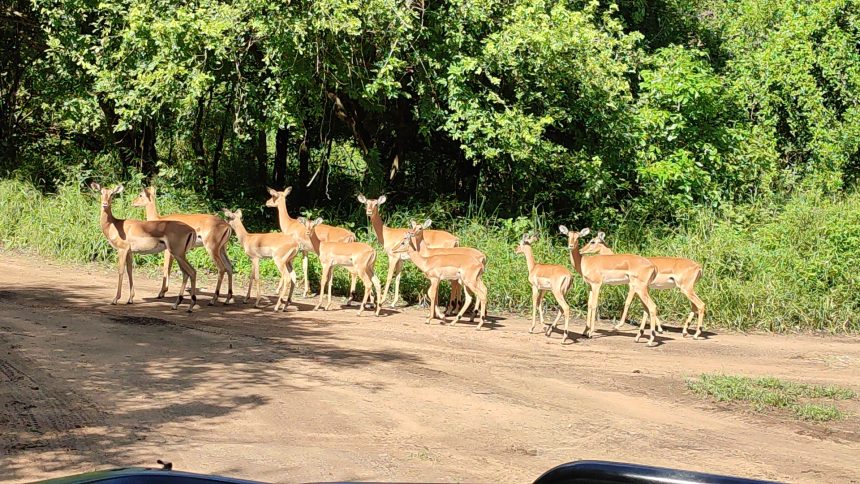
column 219, row 145
column 279, row 171
column 260, row 151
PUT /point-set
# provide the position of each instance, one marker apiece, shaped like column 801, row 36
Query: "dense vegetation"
column 726, row 130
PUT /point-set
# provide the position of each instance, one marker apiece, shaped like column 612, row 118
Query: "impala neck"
column 576, row 258
column 315, row 241
column 151, row 210
column 604, row 250
column 419, row 260
column 284, row 219
column 378, row 227
column 530, row 258
column 106, row 219
column 241, row 232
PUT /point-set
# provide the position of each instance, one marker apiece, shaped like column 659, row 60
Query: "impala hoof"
column 211, row 302
column 696, row 337
column 652, row 344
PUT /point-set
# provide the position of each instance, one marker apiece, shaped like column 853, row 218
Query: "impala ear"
column 601, row 236
column 381, row 199
column 584, row 232
column 272, row 191
column 287, row 191
column 318, row 221
column 563, row 229
column 117, row 190
column 95, row 187
column 427, row 223
column 302, row 220
column 238, row 213
column 150, row 191
column 361, row 198
column 227, row 212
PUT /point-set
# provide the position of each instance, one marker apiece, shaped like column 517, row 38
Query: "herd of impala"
column 435, row 252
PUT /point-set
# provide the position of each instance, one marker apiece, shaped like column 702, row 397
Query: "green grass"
column 781, row 268
column 771, row 393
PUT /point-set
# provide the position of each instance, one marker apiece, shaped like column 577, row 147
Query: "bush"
column 775, row 268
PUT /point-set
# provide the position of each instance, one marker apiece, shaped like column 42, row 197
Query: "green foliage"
column 773, row 393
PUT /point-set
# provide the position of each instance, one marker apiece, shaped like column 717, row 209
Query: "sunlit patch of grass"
column 772, row 393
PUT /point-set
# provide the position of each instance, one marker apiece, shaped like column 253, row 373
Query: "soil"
column 324, row 396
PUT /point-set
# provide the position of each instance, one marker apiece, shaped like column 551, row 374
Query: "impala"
column 543, row 278
column 281, row 248
column 672, row 272
column 212, row 233
column 418, row 230
column 357, row 257
column 296, row 229
column 597, row 270
column 464, row 269
column 130, row 237
column 390, row 238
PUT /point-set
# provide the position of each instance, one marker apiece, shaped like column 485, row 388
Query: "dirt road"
column 309, row 396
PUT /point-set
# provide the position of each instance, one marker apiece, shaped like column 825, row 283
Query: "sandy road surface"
column 328, row 396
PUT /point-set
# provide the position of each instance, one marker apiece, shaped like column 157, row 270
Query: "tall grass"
column 785, row 268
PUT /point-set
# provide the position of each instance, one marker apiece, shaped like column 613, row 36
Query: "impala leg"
column 259, row 281
column 699, row 307
column 541, row 308
column 188, row 272
column 353, row 279
column 392, row 266
column 291, row 273
column 534, row 308
column 330, row 283
column 306, row 275
column 399, row 270
column 165, row 277
column 368, row 288
column 376, row 286
column 481, row 293
column 629, row 300
column 565, row 308
column 652, row 315
column 215, row 255
column 595, row 301
column 282, row 285
column 129, row 263
column 122, row 260
column 431, row 295
column 229, row 266
column 465, row 304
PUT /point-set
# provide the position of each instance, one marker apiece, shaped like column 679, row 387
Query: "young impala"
column 357, row 257
column 296, row 229
column 597, row 270
column 543, row 278
column 390, row 237
column 456, row 292
column 212, row 233
column 130, row 237
column 281, row 248
column 672, row 272
column 464, row 269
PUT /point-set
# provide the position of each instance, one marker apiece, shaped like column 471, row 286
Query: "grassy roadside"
column 786, row 268
column 805, row 402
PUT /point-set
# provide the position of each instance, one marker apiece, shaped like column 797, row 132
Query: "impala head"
column 106, row 193
column 146, row 195
column 595, row 245
column 403, row 246
column 526, row 239
column 573, row 237
column 233, row 217
column 309, row 224
column 417, row 230
column 276, row 196
column 371, row 205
